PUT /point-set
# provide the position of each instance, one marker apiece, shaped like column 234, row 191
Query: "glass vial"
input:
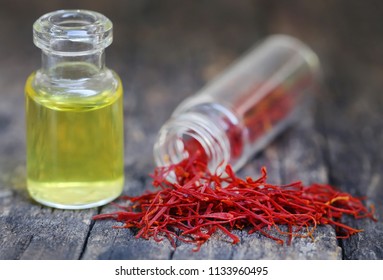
column 244, row 108
column 74, row 114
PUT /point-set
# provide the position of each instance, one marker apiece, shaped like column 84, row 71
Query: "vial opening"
column 192, row 137
column 72, row 32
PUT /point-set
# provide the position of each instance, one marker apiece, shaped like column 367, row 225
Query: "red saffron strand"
column 197, row 204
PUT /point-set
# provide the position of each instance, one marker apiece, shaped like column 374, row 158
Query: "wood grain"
column 164, row 51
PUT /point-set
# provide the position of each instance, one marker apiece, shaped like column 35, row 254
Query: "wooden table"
column 165, row 51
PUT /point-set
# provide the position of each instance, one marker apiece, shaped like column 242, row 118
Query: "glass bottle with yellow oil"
column 74, row 114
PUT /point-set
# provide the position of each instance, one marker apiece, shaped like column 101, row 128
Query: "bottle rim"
column 169, row 146
column 72, row 32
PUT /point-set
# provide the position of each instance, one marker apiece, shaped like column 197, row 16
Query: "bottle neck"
column 72, row 66
column 72, row 37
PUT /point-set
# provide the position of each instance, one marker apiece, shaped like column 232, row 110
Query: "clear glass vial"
column 244, row 108
column 74, row 114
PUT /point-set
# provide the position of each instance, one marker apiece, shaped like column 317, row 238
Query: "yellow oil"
column 74, row 147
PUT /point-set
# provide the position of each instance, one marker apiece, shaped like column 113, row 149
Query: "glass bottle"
column 243, row 109
column 74, row 114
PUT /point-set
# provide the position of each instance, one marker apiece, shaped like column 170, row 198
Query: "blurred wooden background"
column 166, row 50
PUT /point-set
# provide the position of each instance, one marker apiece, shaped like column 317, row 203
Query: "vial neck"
column 72, row 66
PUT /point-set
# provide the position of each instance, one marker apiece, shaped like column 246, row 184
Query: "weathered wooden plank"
column 164, row 52
column 322, row 247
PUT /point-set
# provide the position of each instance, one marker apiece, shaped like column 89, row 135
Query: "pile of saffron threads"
column 196, row 204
